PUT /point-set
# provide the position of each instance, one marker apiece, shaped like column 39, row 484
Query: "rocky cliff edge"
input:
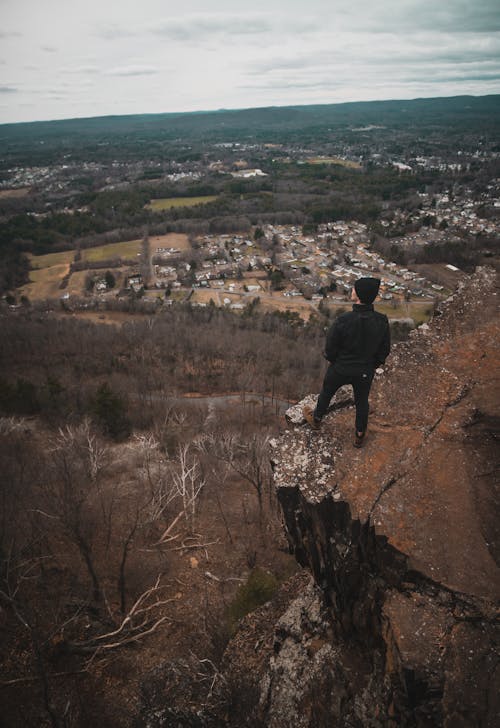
column 400, row 623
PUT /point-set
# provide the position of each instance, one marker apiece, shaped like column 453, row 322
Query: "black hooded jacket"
column 359, row 341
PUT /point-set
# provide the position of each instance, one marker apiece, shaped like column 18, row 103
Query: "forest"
column 137, row 136
column 136, row 521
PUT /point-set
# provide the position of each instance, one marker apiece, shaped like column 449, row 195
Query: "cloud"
column 390, row 48
column 452, row 74
column 196, row 26
column 202, row 26
column 324, row 84
column 81, row 70
column 459, row 16
column 49, row 49
column 132, row 71
column 10, row 34
column 111, row 31
column 8, row 90
column 413, row 15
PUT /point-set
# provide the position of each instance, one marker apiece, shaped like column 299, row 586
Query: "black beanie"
column 367, row 289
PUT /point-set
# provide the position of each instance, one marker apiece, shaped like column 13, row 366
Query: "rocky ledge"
column 402, row 536
column 394, row 620
column 400, row 624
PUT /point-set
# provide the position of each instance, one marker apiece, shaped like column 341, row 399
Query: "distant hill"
column 227, row 125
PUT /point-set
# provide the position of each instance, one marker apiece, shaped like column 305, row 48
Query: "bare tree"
column 188, row 481
column 248, row 458
column 75, row 494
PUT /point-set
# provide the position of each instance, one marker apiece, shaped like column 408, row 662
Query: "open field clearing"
column 178, row 296
column 278, row 302
column 76, row 283
column 166, row 203
column 203, row 295
column 47, row 261
column 180, row 241
column 334, row 160
column 45, row 282
column 441, row 274
column 419, row 311
column 48, row 270
column 18, row 192
column 128, row 249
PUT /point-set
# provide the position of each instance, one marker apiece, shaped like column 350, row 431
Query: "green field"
column 114, row 250
column 166, row 203
column 47, row 261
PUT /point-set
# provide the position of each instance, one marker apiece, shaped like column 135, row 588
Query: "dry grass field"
column 170, row 240
column 45, row 282
column 76, row 283
column 203, row 295
column 39, row 262
column 18, row 192
column 419, row 311
column 48, row 270
column 334, row 160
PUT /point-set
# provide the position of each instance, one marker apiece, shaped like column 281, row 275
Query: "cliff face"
column 400, row 625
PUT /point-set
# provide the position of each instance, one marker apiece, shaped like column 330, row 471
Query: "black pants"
column 361, row 385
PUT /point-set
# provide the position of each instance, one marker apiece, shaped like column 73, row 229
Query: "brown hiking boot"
column 310, row 418
column 359, row 439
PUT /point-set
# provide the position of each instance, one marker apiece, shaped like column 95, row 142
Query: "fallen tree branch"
column 36, row 678
column 127, row 632
column 165, row 533
column 209, row 575
column 134, row 638
column 187, row 547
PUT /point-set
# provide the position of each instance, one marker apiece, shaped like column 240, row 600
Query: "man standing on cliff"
column 358, row 342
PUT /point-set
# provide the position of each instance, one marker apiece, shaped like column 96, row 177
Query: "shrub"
column 110, row 412
column 259, row 589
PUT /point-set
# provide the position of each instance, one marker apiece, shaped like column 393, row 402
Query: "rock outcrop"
column 400, row 625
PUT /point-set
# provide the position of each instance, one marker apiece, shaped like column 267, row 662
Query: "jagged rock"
column 307, row 665
column 343, row 398
column 303, row 656
column 403, row 539
column 175, row 694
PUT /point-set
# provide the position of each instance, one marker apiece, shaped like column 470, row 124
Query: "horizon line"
column 247, row 108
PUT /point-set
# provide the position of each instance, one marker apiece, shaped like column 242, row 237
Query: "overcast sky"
column 75, row 58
